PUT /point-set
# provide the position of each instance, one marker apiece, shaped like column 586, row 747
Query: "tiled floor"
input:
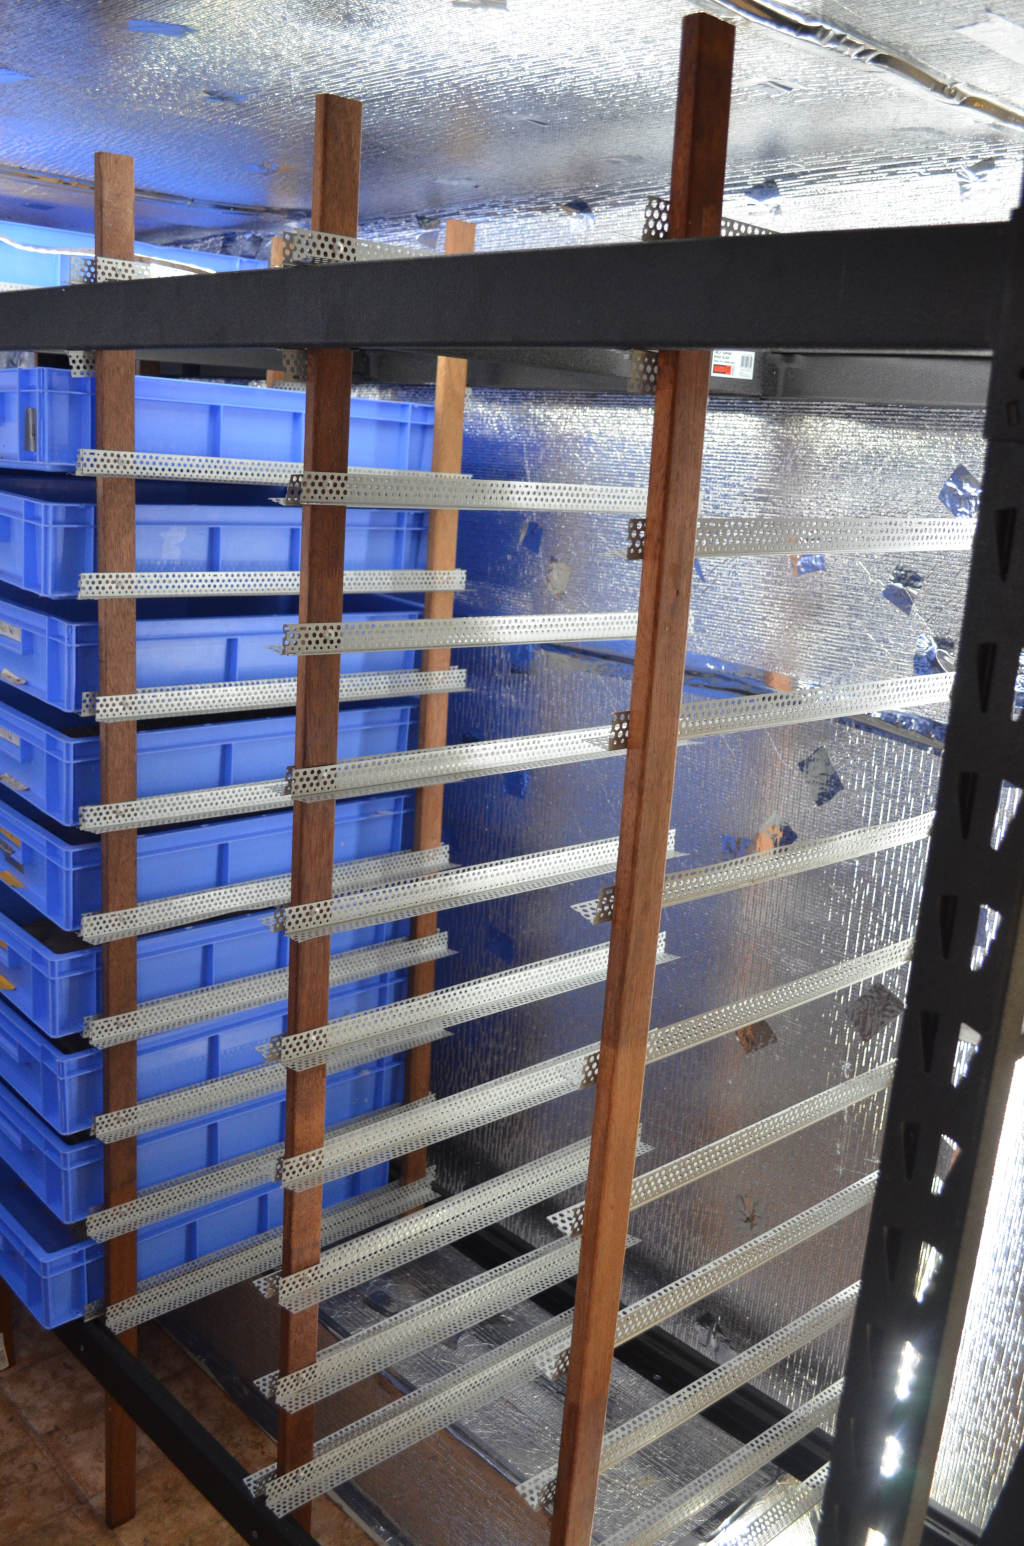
column 51, row 1451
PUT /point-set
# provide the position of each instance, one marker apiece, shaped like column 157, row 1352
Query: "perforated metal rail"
column 266, row 693
column 423, row 1325
column 646, row 1427
column 675, row 1174
column 773, row 864
column 792, row 1505
column 225, row 998
column 360, row 776
column 469, row 883
column 363, row 1444
column 455, row 632
column 323, row 247
column 178, row 1286
column 169, row 1198
column 451, row 1218
column 171, row 912
column 456, row 1005
column 667, row 1518
column 785, row 536
column 257, row 582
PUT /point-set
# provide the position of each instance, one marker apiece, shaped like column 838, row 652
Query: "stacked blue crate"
column 50, row 1078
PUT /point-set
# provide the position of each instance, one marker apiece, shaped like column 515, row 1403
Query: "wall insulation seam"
column 369, row 1440
column 176, row 1010
column 422, row 1325
column 272, row 692
column 455, row 1005
column 772, row 864
column 647, row 1426
column 666, row 1518
column 171, row 912
column 179, row 1286
column 739, row 1144
column 137, row 584
column 168, row 1198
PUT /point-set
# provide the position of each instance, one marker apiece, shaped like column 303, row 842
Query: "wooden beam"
column 115, row 549
column 328, row 390
column 698, row 174
column 275, row 377
column 6, row 1326
column 442, row 542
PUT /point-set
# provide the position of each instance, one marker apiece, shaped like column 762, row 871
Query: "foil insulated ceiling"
column 496, row 106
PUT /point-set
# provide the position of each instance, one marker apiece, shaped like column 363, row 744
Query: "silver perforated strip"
column 226, row 998
column 444, row 491
column 455, row 632
column 190, row 1191
column 178, row 1286
column 769, row 711
column 161, row 810
column 85, row 269
column 656, row 216
column 258, row 582
column 171, row 912
column 677, row 1173
column 648, row 1426
column 784, row 536
column 268, row 693
column 456, row 1005
column 773, row 864
column 674, row 1297
column 372, row 1439
column 448, row 1219
column 793, row 1504
column 669, row 1517
column 82, row 362
column 323, row 247
column 358, row 1447
column 457, row 888
column 193, row 1101
column 95, row 463
column 423, row 1325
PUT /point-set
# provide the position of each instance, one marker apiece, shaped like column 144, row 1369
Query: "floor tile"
column 333, row 1527
column 160, row 1353
column 31, row 1341
column 209, row 1405
column 171, row 1513
column 46, row 1390
column 33, row 1490
column 13, row 1429
column 77, row 1448
column 79, row 1526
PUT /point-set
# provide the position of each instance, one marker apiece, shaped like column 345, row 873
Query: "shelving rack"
column 908, row 290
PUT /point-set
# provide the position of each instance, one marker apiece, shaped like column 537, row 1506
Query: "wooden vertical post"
column 6, row 1326
column 442, row 542
column 275, row 377
column 115, row 549
column 680, row 406
column 328, row 390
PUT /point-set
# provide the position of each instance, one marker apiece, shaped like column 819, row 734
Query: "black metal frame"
column 186, row 1443
column 948, row 989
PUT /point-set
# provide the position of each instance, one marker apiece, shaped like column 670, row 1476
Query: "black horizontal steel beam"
column 921, row 288
column 186, row 1443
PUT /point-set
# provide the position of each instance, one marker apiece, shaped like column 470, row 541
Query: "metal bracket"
column 618, row 740
column 636, row 536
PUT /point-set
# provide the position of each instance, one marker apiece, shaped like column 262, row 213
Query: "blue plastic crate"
column 48, row 531
column 54, row 980
column 60, row 876
column 48, row 416
column 56, row 771
column 63, row 1081
column 56, row 1273
column 67, row 1173
column 41, row 255
column 54, row 655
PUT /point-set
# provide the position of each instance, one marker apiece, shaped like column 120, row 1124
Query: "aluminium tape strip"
column 365, row 1443
column 423, row 1325
column 669, row 1517
column 470, row 883
column 646, row 1427
column 793, row 1504
column 170, row 912
column 190, row 1191
column 272, row 692
column 774, row 864
column 455, row 1005
column 434, row 633
column 178, row 1286
column 226, row 998
column 449, row 1219
column 451, row 764
column 405, row 1131
column 675, row 1174
column 128, row 584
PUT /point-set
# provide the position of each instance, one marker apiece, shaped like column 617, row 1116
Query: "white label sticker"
column 9, row 735
column 12, row 782
column 738, row 363
column 10, row 631
column 9, row 676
